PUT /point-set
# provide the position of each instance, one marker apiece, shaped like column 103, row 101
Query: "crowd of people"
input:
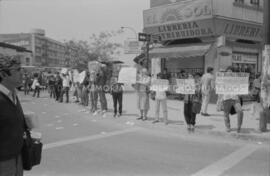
column 97, row 84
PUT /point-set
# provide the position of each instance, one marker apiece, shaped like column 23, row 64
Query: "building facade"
column 13, row 50
column 196, row 34
column 46, row 51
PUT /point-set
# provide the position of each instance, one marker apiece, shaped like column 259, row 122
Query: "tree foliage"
column 100, row 47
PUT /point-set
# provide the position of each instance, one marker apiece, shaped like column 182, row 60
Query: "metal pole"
column 266, row 24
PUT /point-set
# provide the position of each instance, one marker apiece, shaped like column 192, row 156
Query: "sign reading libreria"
column 232, row 83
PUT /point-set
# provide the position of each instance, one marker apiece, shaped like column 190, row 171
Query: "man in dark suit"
column 11, row 118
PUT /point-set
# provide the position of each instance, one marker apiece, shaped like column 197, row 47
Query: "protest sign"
column 160, row 85
column 81, row 77
column 64, row 71
column 185, row 86
column 127, row 75
column 232, row 83
column 75, row 76
column 143, row 79
column 94, row 66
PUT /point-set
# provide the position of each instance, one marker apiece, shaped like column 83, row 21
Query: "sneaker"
column 114, row 115
column 238, row 130
column 205, row 114
column 118, row 115
column 104, row 115
column 140, row 118
column 192, row 128
column 155, row 121
column 95, row 113
column 228, row 130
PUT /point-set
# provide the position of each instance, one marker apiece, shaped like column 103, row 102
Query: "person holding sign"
column 230, row 101
column 117, row 95
column 161, row 99
column 207, row 86
column 143, row 94
column 193, row 103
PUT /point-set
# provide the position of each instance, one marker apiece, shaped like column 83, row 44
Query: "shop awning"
column 179, row 51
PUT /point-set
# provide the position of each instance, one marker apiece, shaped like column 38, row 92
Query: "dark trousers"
column 117, row 97
column 190, row 116
column 26, row 89
column 65, row 90
column 103, row 100
column 57, row 90
column 11, row 167
column 36, row 91
column 52, row 91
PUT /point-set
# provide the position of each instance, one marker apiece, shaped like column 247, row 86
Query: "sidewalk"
column 213, row 125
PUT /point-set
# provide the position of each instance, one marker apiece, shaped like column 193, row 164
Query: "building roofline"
column 17, row 48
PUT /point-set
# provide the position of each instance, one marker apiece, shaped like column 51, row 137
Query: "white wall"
column 227, row 9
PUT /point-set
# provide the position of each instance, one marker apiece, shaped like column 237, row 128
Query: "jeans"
column 93, row 99
column 228, row 104
column 117, row 97
column 103, row 101
column 163, row 104
column 205, row 102
column 12, row 167
column 190, row 116
column 36, row 91
column 52, row 91
column 65, row 90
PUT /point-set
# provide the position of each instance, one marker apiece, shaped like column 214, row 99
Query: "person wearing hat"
column 11, row 118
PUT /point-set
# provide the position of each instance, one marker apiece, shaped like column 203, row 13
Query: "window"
column 239, row 1
column 255, row 2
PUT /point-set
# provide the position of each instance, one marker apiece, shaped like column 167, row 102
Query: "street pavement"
column 78, row 143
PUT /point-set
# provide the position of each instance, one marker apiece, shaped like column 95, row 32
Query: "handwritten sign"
column 159, row 85
column 127, row 75
column 81, row 77
column 185, row 86
column 64, row 71
column 232, row 83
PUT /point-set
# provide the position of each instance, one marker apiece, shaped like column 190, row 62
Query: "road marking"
column 221, row 166
column 87, row 138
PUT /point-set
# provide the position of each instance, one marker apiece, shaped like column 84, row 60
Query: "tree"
column 99, row 47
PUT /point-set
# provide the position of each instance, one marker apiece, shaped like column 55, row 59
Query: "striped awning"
column 179, row 51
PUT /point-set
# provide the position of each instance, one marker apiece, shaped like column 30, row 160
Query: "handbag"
column 31, row 151
column 196, row 107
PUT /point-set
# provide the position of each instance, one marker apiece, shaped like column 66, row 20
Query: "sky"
column 72, row 19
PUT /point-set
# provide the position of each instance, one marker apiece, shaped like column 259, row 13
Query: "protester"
column 65, row 88
column 229, row 102
column 100, row 86
column 51, row 83
column 36, row 86
column 117, row 95
column 255, row 93
column 143, row 90
column 207, row 86
column 26, row 82
column 11, row 118
column 85, row 93
column 192, row 103
column 58, row 87
column 161, row 100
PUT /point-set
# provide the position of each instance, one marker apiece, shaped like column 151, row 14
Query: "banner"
column 160, row 85
column 185, row 86
column 75, row 76
column 94, row 66
column 64, row 71
column 81, row 77
column 127, row 75
column 232, row 83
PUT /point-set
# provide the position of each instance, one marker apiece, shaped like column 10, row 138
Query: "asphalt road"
column 76, row 143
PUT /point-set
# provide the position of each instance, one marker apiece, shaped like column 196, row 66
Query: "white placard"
column 232, row 83
column 160, row 85
column 127, row 75
column 185, row 86
column 81, row 77
column 64, row 71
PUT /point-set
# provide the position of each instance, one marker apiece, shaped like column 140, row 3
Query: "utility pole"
column 264, row 115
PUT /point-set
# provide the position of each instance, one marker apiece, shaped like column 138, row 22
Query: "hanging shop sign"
column 178, row 12
column 190, row 29
column 239, row 30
